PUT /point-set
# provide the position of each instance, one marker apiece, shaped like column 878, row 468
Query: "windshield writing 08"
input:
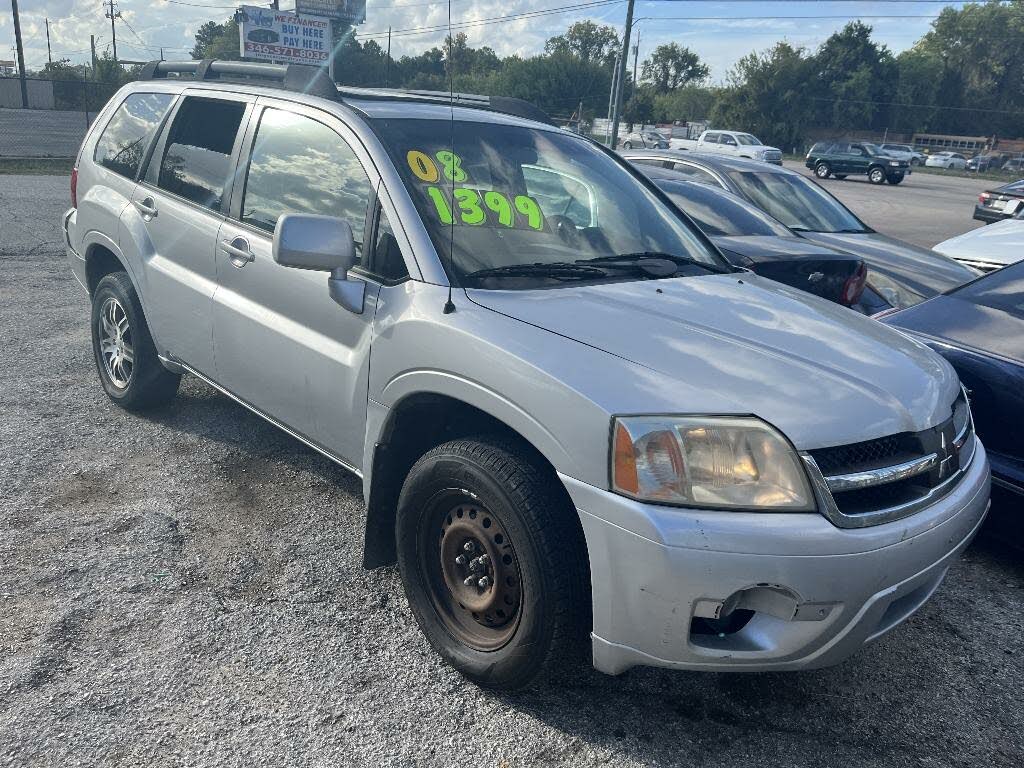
column 518, row 207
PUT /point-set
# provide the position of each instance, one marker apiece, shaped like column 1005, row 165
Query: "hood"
column 739, row 344
column 758, row 248
column 1000, row 243
column 924, row 272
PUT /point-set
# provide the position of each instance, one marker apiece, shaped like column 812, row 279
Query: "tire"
column 490, row 494
column 839, row 176
column 822, row 170
column 136, row 380
column 896, row 178
column 627, row 145
column 876, row 175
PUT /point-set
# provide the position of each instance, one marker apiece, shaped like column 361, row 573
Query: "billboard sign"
column 283, row 37
column 347, row 11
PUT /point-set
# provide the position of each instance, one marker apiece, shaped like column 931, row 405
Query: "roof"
column 708, row 159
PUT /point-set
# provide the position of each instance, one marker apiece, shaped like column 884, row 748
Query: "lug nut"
column 468, row 546
column 484, row 582
column 468, row 581
column 460, row 560
column 483, row 559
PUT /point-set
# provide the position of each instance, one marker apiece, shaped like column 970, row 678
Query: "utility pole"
column 617, row 109
column 92, row 46
column 21, row 54
column 49, row 56
column 387, row 62
column 111, row 12
column 636, row 53
column 611, row 97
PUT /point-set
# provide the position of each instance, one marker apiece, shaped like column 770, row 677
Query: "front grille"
column 772, row 155
column 893, row 474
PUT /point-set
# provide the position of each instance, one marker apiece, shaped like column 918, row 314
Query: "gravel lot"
column 185, row 589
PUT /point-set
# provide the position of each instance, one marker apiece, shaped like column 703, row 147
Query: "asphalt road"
column 925, row 209
column 185, row 588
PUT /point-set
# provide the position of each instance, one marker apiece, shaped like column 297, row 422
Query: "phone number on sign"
column 285, row 53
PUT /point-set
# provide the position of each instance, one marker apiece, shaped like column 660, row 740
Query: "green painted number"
column 469, row 206
column 452, row 165
column 529, row 208
column 498, row 203
column 444, row 212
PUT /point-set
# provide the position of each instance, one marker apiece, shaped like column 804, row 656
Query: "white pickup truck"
column 733, row 143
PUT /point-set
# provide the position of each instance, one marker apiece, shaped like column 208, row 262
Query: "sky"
column 719, row 32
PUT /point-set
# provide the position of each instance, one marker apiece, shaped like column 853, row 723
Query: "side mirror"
column 321, row 243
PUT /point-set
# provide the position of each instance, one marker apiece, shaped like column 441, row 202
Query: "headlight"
column 721, row 462
column 896, row 295
column 894, row 162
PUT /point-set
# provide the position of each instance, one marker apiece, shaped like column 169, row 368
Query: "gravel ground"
column 185, row 589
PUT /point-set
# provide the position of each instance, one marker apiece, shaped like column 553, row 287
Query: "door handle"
column 238, row 251
column 147, row 207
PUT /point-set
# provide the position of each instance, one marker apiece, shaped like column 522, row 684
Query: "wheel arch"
column 102, row 256
column 415, row 424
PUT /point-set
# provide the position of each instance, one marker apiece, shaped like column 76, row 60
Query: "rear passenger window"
column 124, row 140
column 299, row 165
column 197, row 161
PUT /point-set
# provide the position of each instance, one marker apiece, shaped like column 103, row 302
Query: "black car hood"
column 759, row 248
column 925, row 272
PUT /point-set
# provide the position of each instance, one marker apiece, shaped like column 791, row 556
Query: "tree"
column 672, row 66
column 590, row 42
column 691, row 102
column 217, row 41
column 854, row 80
column 766, row 95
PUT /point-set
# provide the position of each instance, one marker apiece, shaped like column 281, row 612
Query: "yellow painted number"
column 444, row 211
column 422, row 166
column 529, row 208
column 452, row 165
column 498, row 203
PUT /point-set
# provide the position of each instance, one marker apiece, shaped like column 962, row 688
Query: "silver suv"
column 569, row 413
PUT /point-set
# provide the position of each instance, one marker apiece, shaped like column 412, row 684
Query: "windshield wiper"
column 629, row 259
column 559, row 269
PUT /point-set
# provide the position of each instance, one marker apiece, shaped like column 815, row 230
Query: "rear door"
column 282, row 344
column 176, row 212
column 728, row 145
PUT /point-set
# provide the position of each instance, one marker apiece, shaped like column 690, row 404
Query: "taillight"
column 74, row 187
column 854, row 286
column 983, row 198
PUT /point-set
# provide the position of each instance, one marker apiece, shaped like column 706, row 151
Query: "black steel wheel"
column 493, row 560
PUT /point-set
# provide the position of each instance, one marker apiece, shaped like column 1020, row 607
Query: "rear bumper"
column 986, row 214
column 75, row 260
column 818, row 593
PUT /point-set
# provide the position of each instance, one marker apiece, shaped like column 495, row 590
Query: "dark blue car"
column 979, row 328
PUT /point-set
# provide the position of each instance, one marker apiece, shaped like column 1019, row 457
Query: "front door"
column 281, row 343
column 179, row 206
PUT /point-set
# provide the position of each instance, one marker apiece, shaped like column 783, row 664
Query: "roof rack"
column 292, row 77
column 315, row 81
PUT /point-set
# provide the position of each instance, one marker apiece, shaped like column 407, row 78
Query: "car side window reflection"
column 299, row 165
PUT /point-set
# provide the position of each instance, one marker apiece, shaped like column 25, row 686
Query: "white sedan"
column 946, row 160
column 987, row 248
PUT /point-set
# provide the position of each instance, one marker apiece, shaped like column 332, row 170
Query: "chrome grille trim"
column 824, row 486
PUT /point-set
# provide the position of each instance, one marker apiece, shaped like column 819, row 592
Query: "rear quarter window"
column 125, row 138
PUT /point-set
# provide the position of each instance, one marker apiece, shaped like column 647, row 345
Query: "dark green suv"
column 844, row 158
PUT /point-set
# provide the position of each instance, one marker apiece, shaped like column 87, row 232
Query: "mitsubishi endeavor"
column 569, row 413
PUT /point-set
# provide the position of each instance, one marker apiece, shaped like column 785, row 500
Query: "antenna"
column 449, row 306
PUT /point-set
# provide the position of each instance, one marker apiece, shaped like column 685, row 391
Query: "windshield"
column 718, row 213
column 872, row 149
column 528, row 198
column 797, row 202
column 747, row 140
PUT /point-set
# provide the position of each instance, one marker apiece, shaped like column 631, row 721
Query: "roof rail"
column 316, row 82
column 504, row 104
column 292, row 77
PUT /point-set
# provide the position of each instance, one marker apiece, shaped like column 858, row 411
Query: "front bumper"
column 818, row 593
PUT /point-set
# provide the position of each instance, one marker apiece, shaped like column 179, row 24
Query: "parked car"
column 987, row 161
column 904, row 152
column 645, row 139
column 1014, row 165
column 750, row 238
column 988, row 248
column 845, row 158
column 899, row 274
column 731, row 143
column 952, row 160
column 979, row 329
column 1005, row 202
column 579, row 421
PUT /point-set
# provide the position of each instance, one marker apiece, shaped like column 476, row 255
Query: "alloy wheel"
column 116, row 347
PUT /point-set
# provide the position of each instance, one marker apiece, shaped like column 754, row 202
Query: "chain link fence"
column 59, row 113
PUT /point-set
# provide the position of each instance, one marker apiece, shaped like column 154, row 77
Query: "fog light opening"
column 722, row 626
